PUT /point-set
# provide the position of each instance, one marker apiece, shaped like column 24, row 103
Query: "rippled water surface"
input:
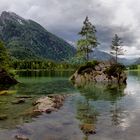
column 114, row 111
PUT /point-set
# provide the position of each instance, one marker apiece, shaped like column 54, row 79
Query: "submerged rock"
column 24, row 96
column 20, row 101
column 31, row 112
column 88, row 128
column 21, row 137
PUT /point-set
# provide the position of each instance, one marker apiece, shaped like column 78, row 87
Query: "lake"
column 113, row 111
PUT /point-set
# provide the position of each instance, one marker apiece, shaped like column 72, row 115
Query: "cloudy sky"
column 65, row 17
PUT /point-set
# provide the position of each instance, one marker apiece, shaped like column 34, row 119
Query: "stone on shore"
column 19, row 101
column 5, row 78
column 46, row 104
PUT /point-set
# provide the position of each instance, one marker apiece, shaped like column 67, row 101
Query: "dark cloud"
column 65, row 17
column 106, row 33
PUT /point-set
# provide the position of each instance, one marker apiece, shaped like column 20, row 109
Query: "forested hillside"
column 26, row 39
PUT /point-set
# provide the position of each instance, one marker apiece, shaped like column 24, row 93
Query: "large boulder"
column 101, row 72
column 5, row 78
column 45, row 104
column 49, row 103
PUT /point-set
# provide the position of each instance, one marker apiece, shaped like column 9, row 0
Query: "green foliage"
column 31, row 41
column 92, row 63
column 4, row 58
column 116, row 47
column 76, row 60
column 115, row 70
column 41, row 64
column 133, row 67
column 88, row 67
column 88, row 40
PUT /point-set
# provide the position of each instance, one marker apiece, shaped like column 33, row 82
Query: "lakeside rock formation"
column 100, row 72
column 46, row 104
column 49, row 103
column 5, row 78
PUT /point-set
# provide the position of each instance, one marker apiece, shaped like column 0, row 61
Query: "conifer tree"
column 88, row 40
column 116, row 47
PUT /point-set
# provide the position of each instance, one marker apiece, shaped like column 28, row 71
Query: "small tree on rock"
column 116, row 47
column 88, row 40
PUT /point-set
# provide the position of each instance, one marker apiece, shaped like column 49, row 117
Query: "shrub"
column 133, row 67
column 115, row 70
column 90, row 65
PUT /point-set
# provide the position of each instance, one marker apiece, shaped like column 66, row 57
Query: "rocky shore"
column 101, row 72
column 49, row 103
column 46, row 104
column 5, row 78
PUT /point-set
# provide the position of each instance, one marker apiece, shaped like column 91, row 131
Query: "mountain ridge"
column 104, row 56
column 27, row 39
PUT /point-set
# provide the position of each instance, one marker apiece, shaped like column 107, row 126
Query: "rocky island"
column 100, row 72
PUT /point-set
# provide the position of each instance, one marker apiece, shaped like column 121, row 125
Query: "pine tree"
column 88, row 40
column 116, row 47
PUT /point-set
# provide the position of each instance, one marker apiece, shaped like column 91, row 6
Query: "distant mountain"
column 100, row 55
column 27, row 39
column 103, row 56
column 137, row 62
column 127, row 61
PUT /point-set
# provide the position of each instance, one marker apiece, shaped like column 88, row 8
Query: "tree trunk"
column 86, row 49
column 116, row 58
column 87, row 54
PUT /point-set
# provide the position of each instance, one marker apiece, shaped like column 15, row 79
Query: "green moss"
column 88, row 67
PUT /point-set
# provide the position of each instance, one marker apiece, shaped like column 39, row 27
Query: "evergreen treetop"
column 88, row 40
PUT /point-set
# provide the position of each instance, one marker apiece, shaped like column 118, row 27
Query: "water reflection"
column 13, row 112
column 100, row 91
column 116, row 114
column 44, row 73
column 34, row 84
column 87, row 114
column 111, row 111
column 44, row 86
column 88, row 106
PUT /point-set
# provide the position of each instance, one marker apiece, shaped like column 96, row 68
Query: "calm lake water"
column 114, row 111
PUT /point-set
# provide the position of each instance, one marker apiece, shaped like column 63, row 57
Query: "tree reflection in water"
column 88, row 113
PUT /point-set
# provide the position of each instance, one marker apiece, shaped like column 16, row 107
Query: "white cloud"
column 65, row 17
column 131, row 52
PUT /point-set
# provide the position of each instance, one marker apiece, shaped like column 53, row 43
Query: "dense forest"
column 85, row 45
column 42, row 64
